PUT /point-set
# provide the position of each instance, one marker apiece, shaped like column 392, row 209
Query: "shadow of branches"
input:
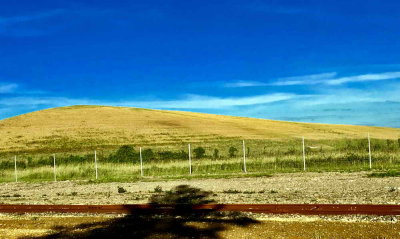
column 180, row 219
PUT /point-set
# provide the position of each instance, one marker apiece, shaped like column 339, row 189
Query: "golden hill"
column 86, row 126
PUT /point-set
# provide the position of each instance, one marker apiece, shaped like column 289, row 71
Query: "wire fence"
column 200, row 159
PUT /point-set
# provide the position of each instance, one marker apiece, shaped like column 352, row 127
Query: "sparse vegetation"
column 121, row 190
column 267, row 157
column 158, row 189
column 389, row 173
column 216, row 154
column 73, row 194
column 231, row 191
column 249, row 192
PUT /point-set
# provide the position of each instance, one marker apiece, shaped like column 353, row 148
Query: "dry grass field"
column 84, row 127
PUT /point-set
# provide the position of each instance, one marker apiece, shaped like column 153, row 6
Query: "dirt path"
column 281, row 188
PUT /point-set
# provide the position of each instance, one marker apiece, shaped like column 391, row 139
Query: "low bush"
column 158, row 189
column 199, row 152
column 232, row 151
column 121, row 190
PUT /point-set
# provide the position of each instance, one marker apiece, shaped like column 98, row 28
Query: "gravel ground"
column 280, row 188
column 101, row 226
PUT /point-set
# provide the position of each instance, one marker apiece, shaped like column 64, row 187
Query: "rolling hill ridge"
column 75, row 127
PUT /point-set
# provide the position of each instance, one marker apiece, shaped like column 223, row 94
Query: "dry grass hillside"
column 88, row 126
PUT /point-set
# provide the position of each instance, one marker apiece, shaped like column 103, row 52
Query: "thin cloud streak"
column 305, row 80
column 366, row 77
column 29, row 18
column 208, row 102
column 238, row 84
column 18, row 26
column 190, row 102
column 8, row 88
column 330, row 79
column 363, row 104
column 268, row 8
column 332, row 96
column 36, row 101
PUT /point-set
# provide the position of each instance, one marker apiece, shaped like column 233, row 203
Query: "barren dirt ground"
column 280, row 188
column 299, row 227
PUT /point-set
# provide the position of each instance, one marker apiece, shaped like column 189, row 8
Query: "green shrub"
column 199, row 152
column 216, row 154
column 158, row 189
column 231, row 191
column 169, row 155
column 121, row 190
column 148, row 154
column 389, row 173
column 232, row 151
column 125, row 153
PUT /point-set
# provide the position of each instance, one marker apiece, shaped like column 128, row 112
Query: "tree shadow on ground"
column 180, row 219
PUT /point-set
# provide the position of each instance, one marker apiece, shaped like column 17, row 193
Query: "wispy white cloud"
column 268, row 8
column 209, row 102
column 384, row 93
column 305, row 80
column 30, row 17
column 35, row 101
column 7, row 88
column 21, row 26
column 326, row 97
column 236, row 84
column 188, row 102
column 379, row 106
column 366, row 77
column 376, row 105
column 331, row 79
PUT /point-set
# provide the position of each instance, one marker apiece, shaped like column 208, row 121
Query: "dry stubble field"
column 280, row 188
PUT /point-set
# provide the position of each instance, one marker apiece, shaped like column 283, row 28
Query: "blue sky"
column 310, row 61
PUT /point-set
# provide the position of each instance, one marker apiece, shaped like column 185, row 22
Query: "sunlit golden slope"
column 86, row 126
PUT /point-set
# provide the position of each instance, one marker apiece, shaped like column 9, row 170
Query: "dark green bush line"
column 389, row 173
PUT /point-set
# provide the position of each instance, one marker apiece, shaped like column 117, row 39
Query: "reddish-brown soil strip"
column 303, row 209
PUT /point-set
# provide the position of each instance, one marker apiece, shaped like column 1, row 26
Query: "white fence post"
column 141, row 161
column 369, row 152
column 244, row 157
column 304, row 154
column 95, row 163
column 54, row 167
column 190, row 161
column 15, row 168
